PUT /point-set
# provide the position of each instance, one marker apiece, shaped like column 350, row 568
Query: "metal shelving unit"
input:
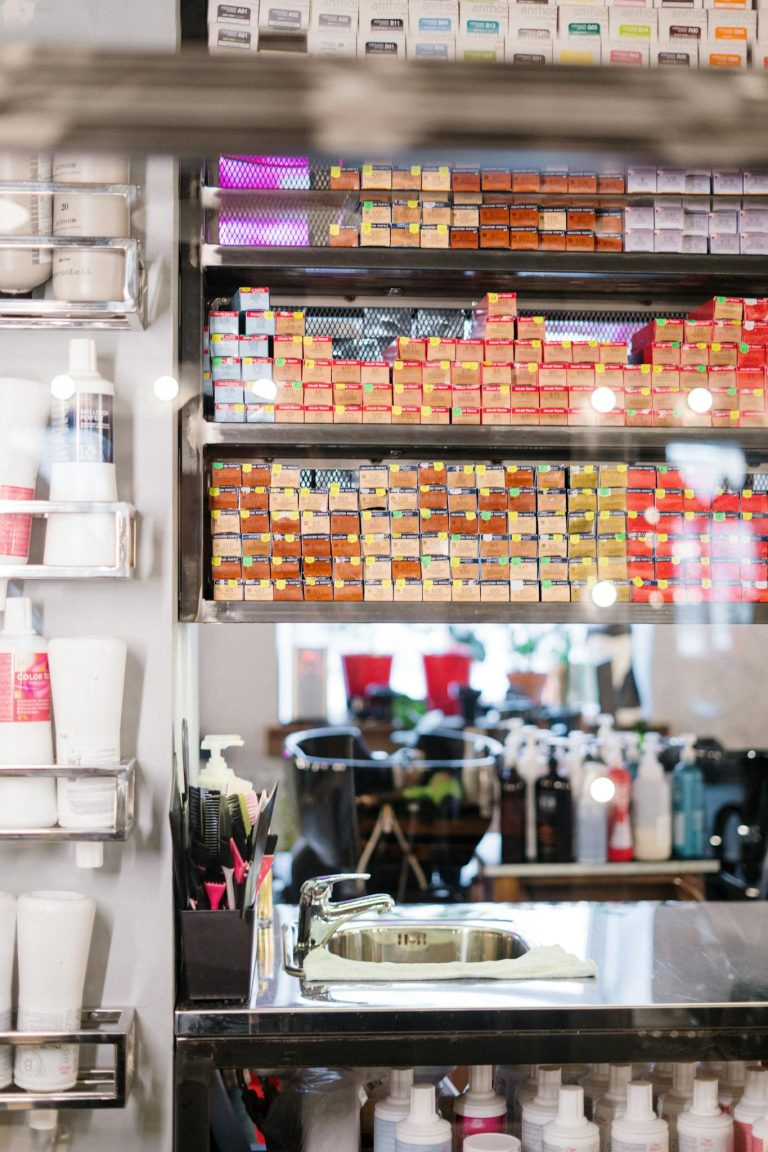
column 124, row 776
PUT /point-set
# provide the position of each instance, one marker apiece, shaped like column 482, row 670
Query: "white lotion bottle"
column 87, row 681
column 570, row 1131
column 608, row 1107
column 638, row 1129
column 543, row 1108
column 83, row 467
column 760, row 1135
column 24, row 408
column 678, row 1098
column 54, row 938
column 395, row 1107
column 7, row 952
column 423, row 1130
column 479, row 1109
column 703, row 1127
column 22, row 269
column 25, row 720
column 651, row 806
column 753, row 1105
column 85, row 274
column 595, row 1085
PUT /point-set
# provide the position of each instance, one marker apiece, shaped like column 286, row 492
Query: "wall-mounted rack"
column 124, row 777
column 124, row 516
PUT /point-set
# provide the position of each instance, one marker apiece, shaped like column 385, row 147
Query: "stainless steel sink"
column 425, row 943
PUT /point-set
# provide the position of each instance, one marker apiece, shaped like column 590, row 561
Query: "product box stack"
column 484, row 533
column 724, row 34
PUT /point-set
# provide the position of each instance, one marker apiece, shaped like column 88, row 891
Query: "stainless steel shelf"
column 96, row 1087
column 124, row 776
column 635, row 868
column 125, row 539
column 303, row 612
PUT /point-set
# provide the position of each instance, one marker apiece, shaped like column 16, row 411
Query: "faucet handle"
column 323, row 885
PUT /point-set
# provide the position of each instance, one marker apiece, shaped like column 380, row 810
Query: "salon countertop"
column 670, row 973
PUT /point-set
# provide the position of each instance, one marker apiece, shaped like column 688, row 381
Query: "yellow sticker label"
column 335, row 171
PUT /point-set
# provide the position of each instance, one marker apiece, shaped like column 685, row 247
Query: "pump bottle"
column 217, row 775
column 25, row 720
column 678, row 1098
column 423, row 1130
column 529, row 767
column 554, row 817
column 570, row 1131
column 760, row 1135
column 512, row 805
column 479, row 1109
column 608, row 1107
column 543, row 1108
column 688, row 804
column 651, row 806
column 619, row 827
column 753, row 1105
column 389, row 1112
column 638, row 1129
column 592, row 815
column 703, row 1127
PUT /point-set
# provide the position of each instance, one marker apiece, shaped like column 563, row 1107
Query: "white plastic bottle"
column 760, row 1135
column 638, row 1129
column 423, row 1130
column 661, row 1078
column 217, row 775
column 538, row 1112
column 731, row 1084
column 25, row 720
column 608, row 1107
column 753, row 1105
column 24, row 407
column 678, row 1098
column 83, row 274
column 570, row 1131
column 395, row 1107
column 703, row 1127
column 526, row 1090
column 22, row 269
column 83, row 467
column 530, row 767
column 592, row 815
column 651, row 806
column 595, row 1085
column 491, row 1142
column 479, row 1109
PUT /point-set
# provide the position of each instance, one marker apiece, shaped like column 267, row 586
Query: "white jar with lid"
column 87, row 274
column 22, row 269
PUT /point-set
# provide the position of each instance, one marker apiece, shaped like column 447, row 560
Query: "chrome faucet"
column 319, row 918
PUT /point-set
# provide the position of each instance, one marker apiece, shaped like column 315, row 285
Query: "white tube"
column 7, row 950
column 24, row 407
column 54, row 933
column 85, row 274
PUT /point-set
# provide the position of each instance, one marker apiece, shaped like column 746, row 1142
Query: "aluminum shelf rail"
column 124, row 516
column 193, row 104
column 124, row 776
column 96, row 1087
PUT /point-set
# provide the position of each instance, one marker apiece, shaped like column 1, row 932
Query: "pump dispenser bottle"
column 678, row 1098
column 688, row 805
column 592, row 815
column 637, row 1129
column 595, row 1085
column 554, row 817
column 651, row 806
column 543, row 1108
column 479, row 1109
column 25, row 720
column 512, row 804
column 753, row 1105
column 217, row 775
column 732, row 1084
column 423, row 1130
column 570, row 1131
column 703, row 1127
column 529, row 767
column 389, row 1112
column 619, row 827
column 608, row 1107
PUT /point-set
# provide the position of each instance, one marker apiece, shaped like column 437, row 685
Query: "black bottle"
column 554, row 817
column 512, row 817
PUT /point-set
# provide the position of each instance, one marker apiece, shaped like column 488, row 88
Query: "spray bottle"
column 679, row 1097
column 389, row 1112
column 217, row 775
column 619, row 827
column 543, row 1108
column 753, row 1105
column 423, row 1130
column 570, row 1131
column 703, row 1127
column 608, row 1107
column 479, row 1109
column 688, row 804
column 651, row 806
column 637, row 1129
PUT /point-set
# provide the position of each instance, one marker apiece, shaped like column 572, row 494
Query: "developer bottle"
column 543, row 1108
column 512, row 805
column 22, row 269
column 678, row 1098
column 638, row 1129
column 592, row 815
column 608, row 1107
column 554, row 817
column 570, row 1131
column 423, row 1130
column 703, row 1127
column 595, row 1085
column 732, row 1083
column 753, row 1105
column 651, row 806
column 395, row 1107
column 688, row 805
column 479, row 1109
column 25, row 720
column 619, row 827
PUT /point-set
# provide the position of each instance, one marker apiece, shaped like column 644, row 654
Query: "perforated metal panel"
column 321, row 479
